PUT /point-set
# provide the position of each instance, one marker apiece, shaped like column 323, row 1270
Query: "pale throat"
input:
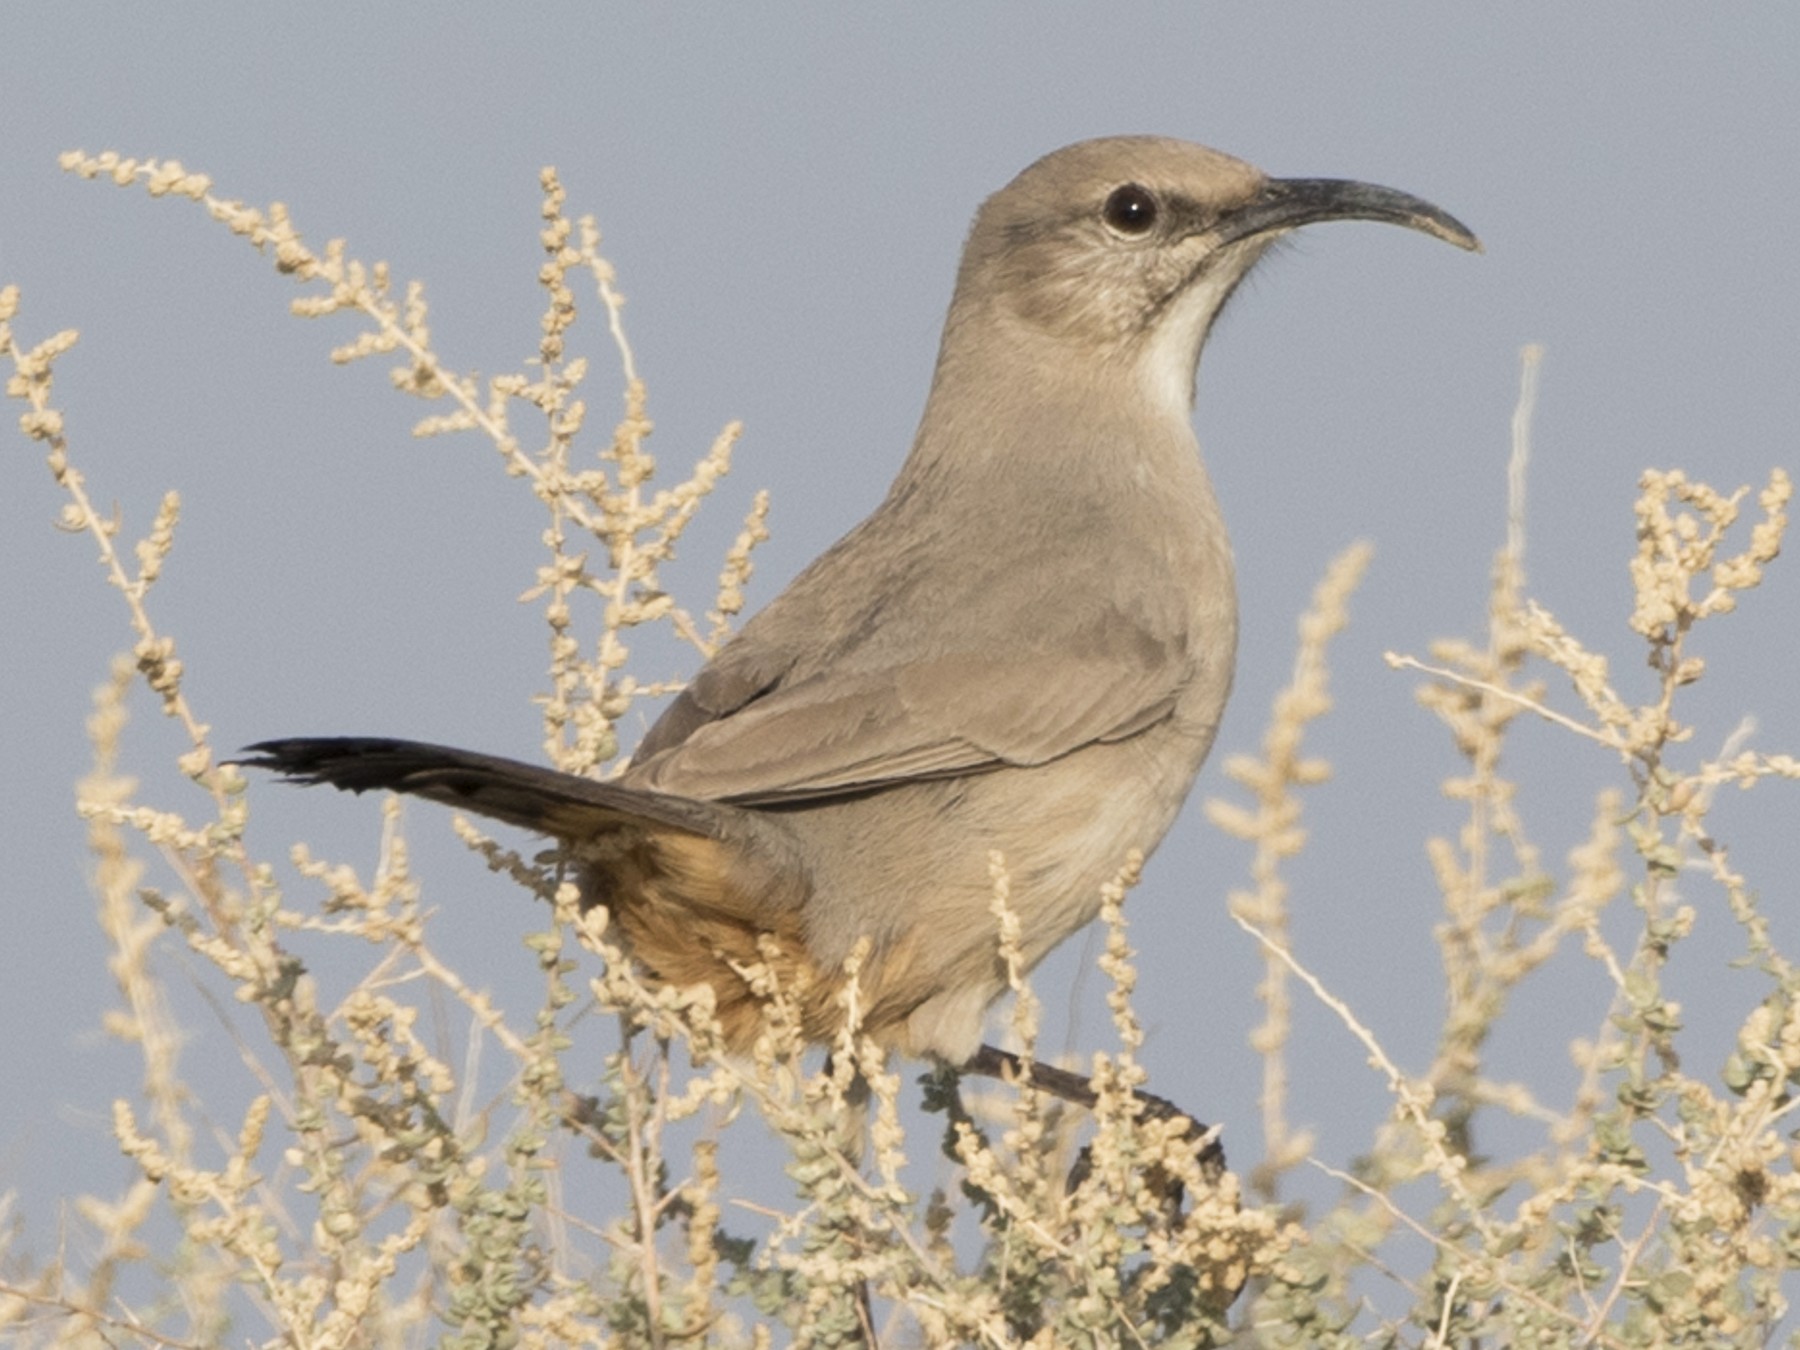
column 1168, row 360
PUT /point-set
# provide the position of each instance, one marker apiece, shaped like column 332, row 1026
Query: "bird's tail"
column 563, row 805
column 702, row 892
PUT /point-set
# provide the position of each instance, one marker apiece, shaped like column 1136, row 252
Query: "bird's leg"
column 991, row 1062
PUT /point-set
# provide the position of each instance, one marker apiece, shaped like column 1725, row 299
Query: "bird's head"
column 1125, row 249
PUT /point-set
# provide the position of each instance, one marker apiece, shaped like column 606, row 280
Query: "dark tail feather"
column 559, row 804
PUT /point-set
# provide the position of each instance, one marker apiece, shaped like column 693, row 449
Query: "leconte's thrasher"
column 1026, row 648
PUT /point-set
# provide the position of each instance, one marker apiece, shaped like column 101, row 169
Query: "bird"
column 1023, row 652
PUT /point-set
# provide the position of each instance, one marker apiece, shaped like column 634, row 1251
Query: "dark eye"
column 1130, row 209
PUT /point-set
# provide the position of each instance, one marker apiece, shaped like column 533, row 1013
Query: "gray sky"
column 784, row 191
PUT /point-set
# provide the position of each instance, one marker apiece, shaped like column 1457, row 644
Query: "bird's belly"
column 912, row 870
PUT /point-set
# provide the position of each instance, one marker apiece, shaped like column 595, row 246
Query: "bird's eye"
column 1131, row 209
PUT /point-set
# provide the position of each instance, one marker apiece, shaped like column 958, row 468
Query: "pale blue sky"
column 784, row 191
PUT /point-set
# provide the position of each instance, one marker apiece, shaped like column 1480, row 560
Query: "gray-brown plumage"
column 1025, row 649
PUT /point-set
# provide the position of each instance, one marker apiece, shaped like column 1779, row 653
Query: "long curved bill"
column 1288, row 203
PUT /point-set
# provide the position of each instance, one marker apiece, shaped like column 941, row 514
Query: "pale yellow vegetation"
column 358, row 1200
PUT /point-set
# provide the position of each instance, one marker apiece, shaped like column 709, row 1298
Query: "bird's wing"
column 752, row 733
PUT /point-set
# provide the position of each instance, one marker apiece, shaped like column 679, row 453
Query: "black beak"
column 1288, row 203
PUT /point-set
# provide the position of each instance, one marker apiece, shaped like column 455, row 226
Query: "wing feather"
column 954, row 713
